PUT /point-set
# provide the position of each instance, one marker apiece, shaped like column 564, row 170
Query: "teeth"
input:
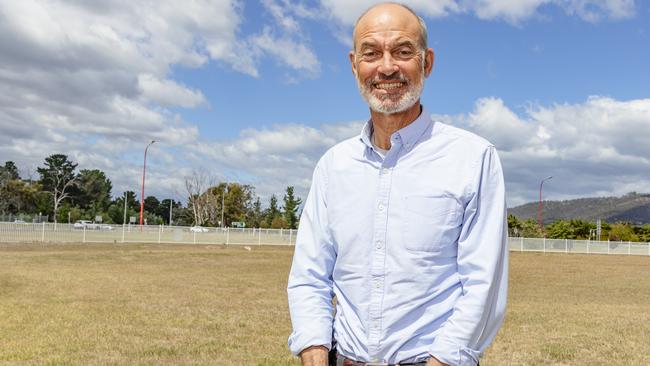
column 388, row 85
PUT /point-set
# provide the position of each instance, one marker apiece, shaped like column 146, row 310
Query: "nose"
column 388, row 66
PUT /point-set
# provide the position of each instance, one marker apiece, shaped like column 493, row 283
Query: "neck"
column 384, row 125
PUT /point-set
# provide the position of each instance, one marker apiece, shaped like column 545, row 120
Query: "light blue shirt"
column 413, row 245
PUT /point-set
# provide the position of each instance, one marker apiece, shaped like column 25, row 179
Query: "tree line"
column 578, row 230
column 64, row 194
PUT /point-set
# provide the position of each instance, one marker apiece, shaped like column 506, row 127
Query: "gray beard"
column 379, row 105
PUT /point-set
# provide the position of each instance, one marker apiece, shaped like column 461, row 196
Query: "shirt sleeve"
column 310, row 280
column 483, row 270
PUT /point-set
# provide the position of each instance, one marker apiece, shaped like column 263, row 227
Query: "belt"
column 349, row 362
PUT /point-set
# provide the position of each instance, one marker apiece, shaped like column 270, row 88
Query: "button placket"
column 378, row 261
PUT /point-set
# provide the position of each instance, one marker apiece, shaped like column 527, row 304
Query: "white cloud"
column 597, row 146
column 285, row 49
column 92, row 79
column 347, row 12
column 279, row 12
column 595, row 10
column 512, row 11
column 168, row 92
column 578, row 144
column 274, row 158
column 291, row 46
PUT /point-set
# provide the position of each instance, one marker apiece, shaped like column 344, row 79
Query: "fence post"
column 159, row 233
column 259, row 236
column 194, row 236
column 227, row 235
column 123, row 229
column 588, row 242
column 43, row 233
column 544, row 245
column 608, row 245
column 84, row 239
column 290, row 236
column 629, row 247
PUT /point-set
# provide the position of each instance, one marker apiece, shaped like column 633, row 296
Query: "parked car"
column 106, row 227
column 199, row 229
column 85, row 224
column 16, row 221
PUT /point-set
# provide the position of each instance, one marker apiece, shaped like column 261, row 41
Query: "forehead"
column 387, row 24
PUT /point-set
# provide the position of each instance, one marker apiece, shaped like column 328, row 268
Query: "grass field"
column 212, row 305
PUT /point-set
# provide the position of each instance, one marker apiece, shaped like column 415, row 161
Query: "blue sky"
column 256, row 91
column 551, row 58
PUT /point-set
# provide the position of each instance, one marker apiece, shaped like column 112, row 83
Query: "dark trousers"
column 333, row 356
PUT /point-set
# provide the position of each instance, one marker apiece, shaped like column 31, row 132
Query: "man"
column 404, row 224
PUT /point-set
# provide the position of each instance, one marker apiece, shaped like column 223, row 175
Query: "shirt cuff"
column 301, row 339
column 453, row 354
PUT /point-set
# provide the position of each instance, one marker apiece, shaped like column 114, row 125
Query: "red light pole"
column 540, row 205
column 144, row 170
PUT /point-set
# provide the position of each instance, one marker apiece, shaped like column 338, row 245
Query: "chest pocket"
column 431, row 223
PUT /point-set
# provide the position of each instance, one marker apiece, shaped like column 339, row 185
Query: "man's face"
column 389, row 64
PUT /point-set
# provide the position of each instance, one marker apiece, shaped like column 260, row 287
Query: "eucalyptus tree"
column 58, row 177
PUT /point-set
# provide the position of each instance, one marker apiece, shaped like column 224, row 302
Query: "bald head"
column 382, row 13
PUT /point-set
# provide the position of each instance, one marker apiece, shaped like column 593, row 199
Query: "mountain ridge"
column 632, row 207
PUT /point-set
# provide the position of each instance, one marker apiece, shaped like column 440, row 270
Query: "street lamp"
column 540, row 205
column 144, row 170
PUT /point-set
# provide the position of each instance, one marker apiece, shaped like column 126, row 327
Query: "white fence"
column 578, row 246
column 66, row 233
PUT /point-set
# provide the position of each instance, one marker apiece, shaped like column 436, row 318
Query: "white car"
column 199, row 229
column 85, row 224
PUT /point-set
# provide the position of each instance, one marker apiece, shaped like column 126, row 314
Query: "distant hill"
column 632, row 207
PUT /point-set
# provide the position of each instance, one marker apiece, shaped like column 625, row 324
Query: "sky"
column 256, row 91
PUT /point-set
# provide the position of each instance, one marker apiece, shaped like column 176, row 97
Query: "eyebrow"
column 373, row 44
column 405, row 43
column 366, row 44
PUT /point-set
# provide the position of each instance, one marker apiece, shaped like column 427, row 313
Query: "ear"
column 428, row 61
column 352, row 56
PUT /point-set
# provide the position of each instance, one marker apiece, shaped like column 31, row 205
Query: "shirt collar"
column 407, row 136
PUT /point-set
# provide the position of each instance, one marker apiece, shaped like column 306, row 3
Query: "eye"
column 369, row 54
column 405, row 53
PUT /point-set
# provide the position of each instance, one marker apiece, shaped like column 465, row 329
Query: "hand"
column 434, row 362
column 314, row 356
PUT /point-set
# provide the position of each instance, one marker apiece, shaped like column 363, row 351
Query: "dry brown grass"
column 211, row 305
column 575, row 310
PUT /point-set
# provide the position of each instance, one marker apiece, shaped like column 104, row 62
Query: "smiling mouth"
column 389, row 86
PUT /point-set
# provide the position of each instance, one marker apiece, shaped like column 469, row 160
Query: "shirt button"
column 378, row 244
column 377, row 284
column 381, row 207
